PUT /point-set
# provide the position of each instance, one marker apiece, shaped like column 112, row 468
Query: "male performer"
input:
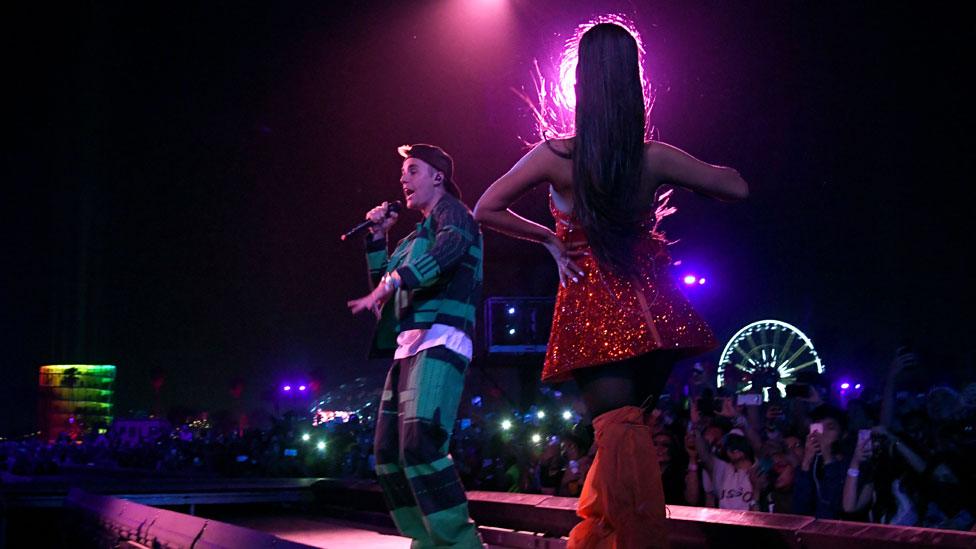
column 425, row 296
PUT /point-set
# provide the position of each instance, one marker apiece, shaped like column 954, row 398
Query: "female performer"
column 620, row 321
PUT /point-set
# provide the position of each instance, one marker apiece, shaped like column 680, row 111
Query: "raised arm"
column 705, row 456
column 492, row 209
column 904, row 359
column 856, row 497
column 675, row 167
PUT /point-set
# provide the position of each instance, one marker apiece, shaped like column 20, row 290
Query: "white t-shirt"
column 411, row 342
column 732, row 486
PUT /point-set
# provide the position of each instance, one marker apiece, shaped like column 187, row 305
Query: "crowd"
column 337, row 450
column 893, row 456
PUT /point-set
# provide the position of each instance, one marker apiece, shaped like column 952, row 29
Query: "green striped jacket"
column 440, row 266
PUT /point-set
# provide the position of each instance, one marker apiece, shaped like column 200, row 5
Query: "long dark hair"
column 608, row 151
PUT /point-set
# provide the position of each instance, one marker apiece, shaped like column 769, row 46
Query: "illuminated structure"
column 75, row 398
column 767, row 354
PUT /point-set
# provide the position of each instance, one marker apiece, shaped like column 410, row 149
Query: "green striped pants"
column 413, row 430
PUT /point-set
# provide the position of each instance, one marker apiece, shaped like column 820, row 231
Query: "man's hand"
column 372, row 301
column 904, row 359
column 759, row 480
column 381, row 221
column 863, row 451
column 811, row 449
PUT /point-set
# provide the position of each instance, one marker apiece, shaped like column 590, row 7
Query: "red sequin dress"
column 605, row 318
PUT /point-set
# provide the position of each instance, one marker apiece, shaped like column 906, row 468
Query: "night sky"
column 178, row 175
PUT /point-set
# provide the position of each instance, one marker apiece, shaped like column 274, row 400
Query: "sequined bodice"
column 605, row 317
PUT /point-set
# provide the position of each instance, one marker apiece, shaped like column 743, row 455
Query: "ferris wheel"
column 767, row 354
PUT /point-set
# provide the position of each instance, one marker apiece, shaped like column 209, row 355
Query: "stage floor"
column 334, row 533
column 324, row 532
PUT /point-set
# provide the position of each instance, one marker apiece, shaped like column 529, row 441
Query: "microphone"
column 391, row 208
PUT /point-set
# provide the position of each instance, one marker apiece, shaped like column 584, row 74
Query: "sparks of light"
column 554, row 103
column 564, row 94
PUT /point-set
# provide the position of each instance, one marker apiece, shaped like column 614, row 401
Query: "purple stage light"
column 286, row 388
column 690, row 279
column 301, row 387
column 845, row 385
column 857, row 386
column 701, row 281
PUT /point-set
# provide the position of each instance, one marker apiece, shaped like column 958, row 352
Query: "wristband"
column 390, row 282
column 853, row 473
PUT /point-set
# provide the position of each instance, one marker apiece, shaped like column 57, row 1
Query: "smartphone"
column 818, row 428
column 797, row 390
column 863, row 435
column 751, row 399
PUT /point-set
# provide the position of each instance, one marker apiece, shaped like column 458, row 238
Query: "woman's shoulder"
column 654, row 150
column 561, row 147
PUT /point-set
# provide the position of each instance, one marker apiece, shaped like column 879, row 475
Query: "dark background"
column 179, row 173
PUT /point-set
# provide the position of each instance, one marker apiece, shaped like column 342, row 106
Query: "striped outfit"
column 440, row 268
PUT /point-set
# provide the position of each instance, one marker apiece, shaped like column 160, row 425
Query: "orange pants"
column 622, row 502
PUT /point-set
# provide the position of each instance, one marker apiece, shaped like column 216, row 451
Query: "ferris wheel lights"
column 769, row 353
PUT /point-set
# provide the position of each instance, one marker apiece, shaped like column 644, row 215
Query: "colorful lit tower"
column 75, row 398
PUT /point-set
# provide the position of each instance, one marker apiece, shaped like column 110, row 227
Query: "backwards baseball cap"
column 438, row 159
